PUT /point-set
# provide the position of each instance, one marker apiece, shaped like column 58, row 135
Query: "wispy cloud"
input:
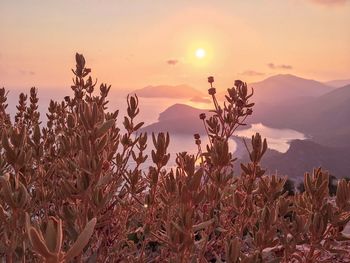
column 251, row 73
column 281, row 66
column 172, row 62
column 26, row 72
column 330, row 2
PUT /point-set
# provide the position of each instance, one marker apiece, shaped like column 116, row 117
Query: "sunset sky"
column 131, row 44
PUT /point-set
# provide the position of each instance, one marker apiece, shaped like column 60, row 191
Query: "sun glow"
column 200, row 53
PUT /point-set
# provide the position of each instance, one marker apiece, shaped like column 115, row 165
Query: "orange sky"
column 131, row 44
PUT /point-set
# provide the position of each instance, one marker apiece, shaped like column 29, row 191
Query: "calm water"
column 278, row 139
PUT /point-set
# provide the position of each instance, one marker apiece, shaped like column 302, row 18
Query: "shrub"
column 69, row 193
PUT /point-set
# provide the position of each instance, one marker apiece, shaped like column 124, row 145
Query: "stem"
column 206, row 130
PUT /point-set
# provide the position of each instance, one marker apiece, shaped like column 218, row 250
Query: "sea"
column 150, row 108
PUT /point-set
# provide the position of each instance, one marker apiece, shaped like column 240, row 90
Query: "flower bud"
column 238, row 83
column 212, row 91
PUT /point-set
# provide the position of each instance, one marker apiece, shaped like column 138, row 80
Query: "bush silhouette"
column 69, row 194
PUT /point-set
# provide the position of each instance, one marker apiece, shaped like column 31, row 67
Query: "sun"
column 200, row 53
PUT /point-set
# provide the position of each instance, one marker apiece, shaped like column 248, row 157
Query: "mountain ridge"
column 285, row 87
column 304, row 155
column 168, row 91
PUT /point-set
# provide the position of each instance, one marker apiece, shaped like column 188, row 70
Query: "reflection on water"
column 277, row 139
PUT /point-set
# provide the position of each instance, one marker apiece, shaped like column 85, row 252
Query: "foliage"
column 74, row 188
column 332, row 185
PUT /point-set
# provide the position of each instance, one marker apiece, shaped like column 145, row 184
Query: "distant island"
column 304, row 155
column 286, row 88
column 169, row 91
column 178, row 119
column 323, row 115
column 201, row 99
column 309, row 104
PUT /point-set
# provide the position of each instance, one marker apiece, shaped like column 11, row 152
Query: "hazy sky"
column 134, row 43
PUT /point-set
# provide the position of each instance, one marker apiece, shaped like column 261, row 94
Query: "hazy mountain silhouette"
column 168, row 91
column 179, row 111
column 178, row 119
column 320, row 112
column 325, row 118
column 281, row 92
column 272, row 97
column 338, row 83
column 305, row 155
column 285, row 87
column 328, row 118
column 201, row 99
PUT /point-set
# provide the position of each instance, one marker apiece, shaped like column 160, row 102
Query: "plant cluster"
column 75, row 190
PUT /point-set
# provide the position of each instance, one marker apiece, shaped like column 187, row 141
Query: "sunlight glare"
column 200, row 53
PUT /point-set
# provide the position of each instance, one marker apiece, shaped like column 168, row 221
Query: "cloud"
column 172, row 62
column 26, row 72
column 251, row 73
column 281, row 66
column 330, row 2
